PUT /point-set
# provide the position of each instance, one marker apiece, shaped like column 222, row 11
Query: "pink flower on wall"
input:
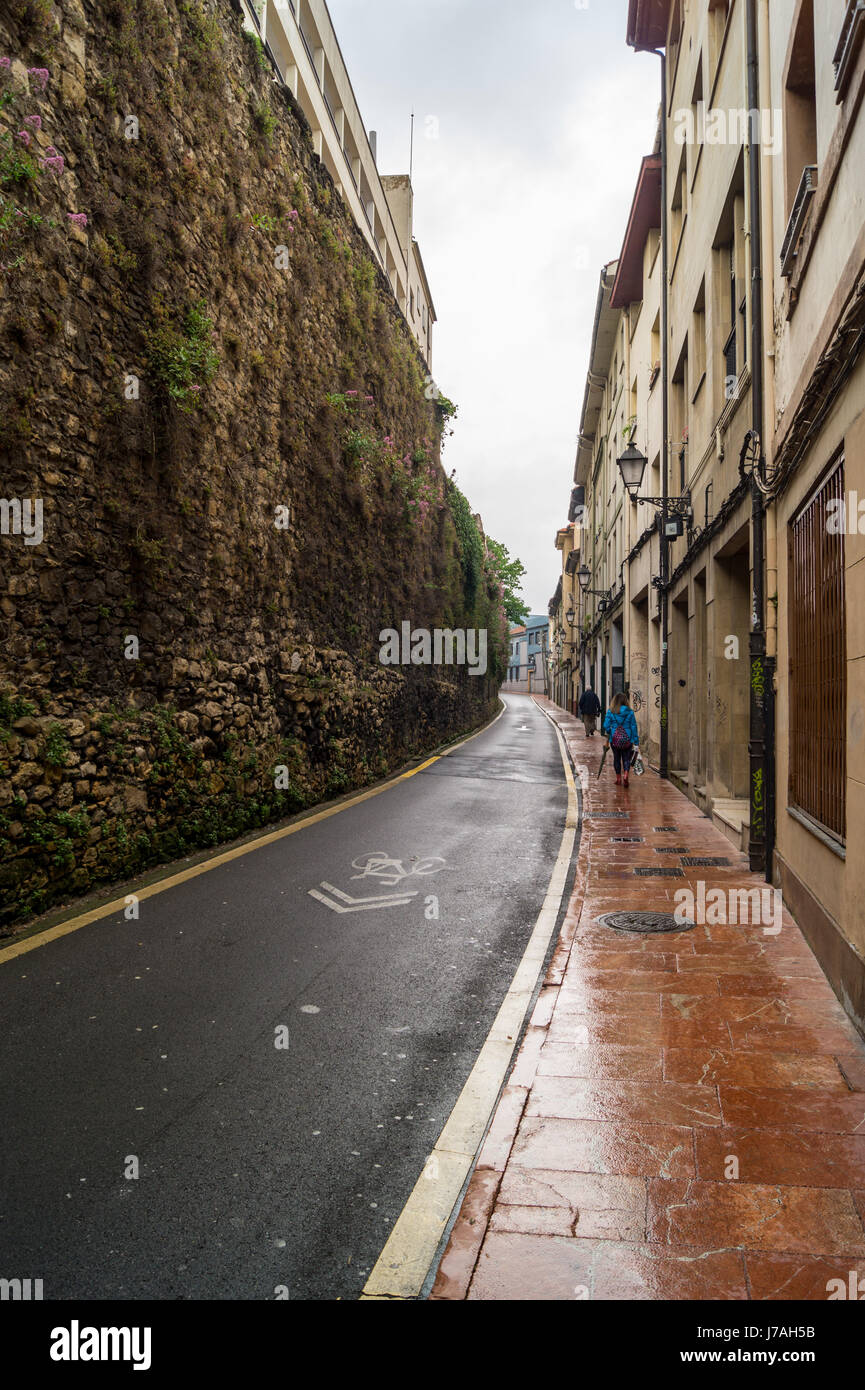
column 40, row 76
column 35, row 121
column 5, row 62
column 54, row 162
column 24, row 137
column 79, row 218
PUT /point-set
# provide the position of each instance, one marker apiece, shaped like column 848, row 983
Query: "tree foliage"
column 510, row 573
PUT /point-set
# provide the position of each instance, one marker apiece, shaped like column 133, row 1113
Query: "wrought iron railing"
column 798, row 218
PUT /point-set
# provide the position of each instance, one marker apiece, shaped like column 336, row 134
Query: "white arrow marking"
column 376, row 898
column 358, row 904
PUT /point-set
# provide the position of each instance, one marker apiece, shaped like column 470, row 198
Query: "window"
column 695, row 149
column 818, row 659
column 656, row 346
column 719, row 14
column 679, row 207
column 800, row 105
column 698, row 342
column 411, row 302
column 679, row 422
column 731, row 347
column 677, row 24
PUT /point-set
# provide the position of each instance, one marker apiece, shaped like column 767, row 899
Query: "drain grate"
column 608, row 815
column 626, row 840
column 644, row 922
column 660, row 873
column 692, row 862
column 666, row 829
column 673, row 849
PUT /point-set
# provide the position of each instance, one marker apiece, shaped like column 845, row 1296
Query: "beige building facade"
column 727, row 354
column 816, row 438
column 302, row 43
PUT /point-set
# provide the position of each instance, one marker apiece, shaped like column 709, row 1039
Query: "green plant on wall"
column 17, row 167
column 182, row 357
column 264, row 119
column 470, row 543
column 258, row 50
column 57, row 746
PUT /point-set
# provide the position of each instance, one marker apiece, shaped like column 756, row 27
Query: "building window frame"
column 817, row 659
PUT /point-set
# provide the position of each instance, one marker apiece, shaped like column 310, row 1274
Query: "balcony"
column 798, row 219
column 849, row 45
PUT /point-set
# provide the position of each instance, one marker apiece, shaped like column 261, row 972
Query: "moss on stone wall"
column 206, row 380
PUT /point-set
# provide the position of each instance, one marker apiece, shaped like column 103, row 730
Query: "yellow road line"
column 117, row 904
column 108, row 909
column 404, row 1263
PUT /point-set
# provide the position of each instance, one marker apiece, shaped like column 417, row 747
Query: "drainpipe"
column 664, row 768
column 771, row 507
column 760, row 713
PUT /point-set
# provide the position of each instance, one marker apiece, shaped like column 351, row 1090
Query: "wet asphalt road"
column 155, row 1040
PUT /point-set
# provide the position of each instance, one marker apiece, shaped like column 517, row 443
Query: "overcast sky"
column 531, row 118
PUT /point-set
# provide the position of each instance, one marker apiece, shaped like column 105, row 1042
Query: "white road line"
column 376, row 897
column 403, row 1265
column 358, row 907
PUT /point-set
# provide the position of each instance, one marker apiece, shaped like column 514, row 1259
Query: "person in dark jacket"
column 590, row 709
column 622, row 735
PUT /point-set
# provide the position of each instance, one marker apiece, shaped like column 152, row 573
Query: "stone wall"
column 206, row 383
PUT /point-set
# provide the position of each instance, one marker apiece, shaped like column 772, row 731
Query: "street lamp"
column 670, row 520
column 570, row 617
column 584, row 574
column 674, row 510
column 632, row 466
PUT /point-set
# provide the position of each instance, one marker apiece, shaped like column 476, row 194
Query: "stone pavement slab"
column 685, row 1119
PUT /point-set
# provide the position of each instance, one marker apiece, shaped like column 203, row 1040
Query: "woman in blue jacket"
column 622, row 735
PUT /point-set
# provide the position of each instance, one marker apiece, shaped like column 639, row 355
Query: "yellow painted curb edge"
column 108, row 909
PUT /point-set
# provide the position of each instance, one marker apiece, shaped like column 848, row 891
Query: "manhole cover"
column 659, row 873
column 693, row 862
column 644, row 922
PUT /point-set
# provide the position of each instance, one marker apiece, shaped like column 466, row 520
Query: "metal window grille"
column 818, row 658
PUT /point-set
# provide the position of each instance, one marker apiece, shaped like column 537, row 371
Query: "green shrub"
column 261, row 59
column 57, row 747
column 183, row 358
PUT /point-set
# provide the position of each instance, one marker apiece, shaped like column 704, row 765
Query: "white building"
column 302, row 44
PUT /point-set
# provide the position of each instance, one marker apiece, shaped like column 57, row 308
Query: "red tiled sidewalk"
column 652, row 1067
